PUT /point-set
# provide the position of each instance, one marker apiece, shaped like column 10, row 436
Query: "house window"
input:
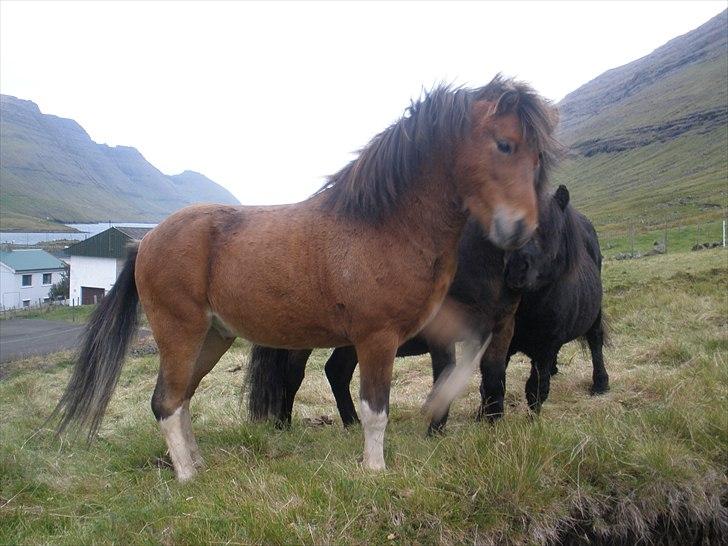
column 46, row 278
column 26, row 303
column 27, row 280
column 46, row 300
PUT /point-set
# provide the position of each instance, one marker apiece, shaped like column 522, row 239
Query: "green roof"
column 112, row 243
column 32, row 259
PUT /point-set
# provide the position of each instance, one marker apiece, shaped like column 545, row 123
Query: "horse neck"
column 433, row 218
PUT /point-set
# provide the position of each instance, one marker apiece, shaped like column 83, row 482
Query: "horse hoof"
column 374, row 466
column 279, row 424
column 186, row 475
column 491, row 417
column 351, row 423
column 435, row 431
column 596, row 390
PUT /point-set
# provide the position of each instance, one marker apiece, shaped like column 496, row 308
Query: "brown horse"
column 366, row 261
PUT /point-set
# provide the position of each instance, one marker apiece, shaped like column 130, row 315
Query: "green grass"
column 79, row 313
column 682, row 181
column 649, row 454
column 680, row 238
column 11, row 221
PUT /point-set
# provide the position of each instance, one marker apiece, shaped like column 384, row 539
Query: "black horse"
column 558, row 273
column 488, row 286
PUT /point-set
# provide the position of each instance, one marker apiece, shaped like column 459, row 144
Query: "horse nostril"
column 519, row 230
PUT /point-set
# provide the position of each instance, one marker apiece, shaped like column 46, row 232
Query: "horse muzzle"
column 509, row 231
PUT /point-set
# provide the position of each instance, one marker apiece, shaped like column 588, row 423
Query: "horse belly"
column 270, row 307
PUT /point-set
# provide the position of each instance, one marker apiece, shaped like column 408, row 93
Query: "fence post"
column 631, row 238
column 697, row 235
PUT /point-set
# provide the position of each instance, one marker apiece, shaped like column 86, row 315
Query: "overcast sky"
column 268, row 98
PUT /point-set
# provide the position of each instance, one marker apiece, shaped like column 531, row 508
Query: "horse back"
column 291, row 276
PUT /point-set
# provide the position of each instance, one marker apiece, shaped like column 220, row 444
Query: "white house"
column 97, row 261
column 26, row 277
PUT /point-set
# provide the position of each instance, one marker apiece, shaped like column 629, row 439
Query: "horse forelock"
column 372, row 185
column 538, row 117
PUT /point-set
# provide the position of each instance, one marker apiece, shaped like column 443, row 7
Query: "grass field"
column 680, row 238
column 11, row 221
column 78, row 313
column 645, row 461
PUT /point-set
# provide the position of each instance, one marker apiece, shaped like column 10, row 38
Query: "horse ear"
column 562, row 196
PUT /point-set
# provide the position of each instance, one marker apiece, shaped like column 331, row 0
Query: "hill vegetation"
column 649, row 138
column 51, row 171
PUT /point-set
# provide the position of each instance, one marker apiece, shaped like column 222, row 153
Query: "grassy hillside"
column 645, row 461
column 649, row 139
column 11, row 221
column 50, row 168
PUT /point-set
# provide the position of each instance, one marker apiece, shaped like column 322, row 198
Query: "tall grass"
column 645, row 461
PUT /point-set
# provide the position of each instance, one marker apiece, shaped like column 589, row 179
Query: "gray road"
column 25, row 337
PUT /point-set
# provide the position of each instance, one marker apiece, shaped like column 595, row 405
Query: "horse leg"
column 595, row 339
column 188, row 350
column 493, row 372
column 339, row 370
column 538, row 384
column 376, row 358
column 442, row 358
column 214, row 346
column 295, row 371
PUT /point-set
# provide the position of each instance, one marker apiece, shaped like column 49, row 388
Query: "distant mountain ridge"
column 650, row 138
column 50, row 168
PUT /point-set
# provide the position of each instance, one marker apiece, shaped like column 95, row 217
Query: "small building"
column 26, row 277
column 97, row 261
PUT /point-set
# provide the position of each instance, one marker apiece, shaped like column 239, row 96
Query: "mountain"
column 51, row 169
column 649, row 139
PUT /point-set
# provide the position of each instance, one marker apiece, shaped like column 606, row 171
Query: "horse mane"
column 571, row 240
column 372, row 185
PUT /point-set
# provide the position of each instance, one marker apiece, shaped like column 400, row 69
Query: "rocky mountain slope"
column 51, row 169
column 650, row 138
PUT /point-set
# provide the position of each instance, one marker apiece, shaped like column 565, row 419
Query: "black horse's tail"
column 603, row 324
column 265, row 382
column 606, row 330
column 105, row 341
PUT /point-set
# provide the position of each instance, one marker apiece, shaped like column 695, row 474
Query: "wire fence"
column 638, row 241
column 42, row 307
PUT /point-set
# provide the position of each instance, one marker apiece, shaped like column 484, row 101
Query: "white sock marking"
column 189, row 435
column 374, row 424
column 173, row 428
column 452, row 383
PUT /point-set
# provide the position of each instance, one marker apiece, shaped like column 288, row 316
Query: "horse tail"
column 104, row 345
column 606, row 330
column 603, row 324
column 265, row 382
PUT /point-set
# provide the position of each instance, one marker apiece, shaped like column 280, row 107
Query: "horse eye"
column 504, row 147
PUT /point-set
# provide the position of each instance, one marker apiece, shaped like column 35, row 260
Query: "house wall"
column 92, row 272
column 9, row 288
column 12, row 293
